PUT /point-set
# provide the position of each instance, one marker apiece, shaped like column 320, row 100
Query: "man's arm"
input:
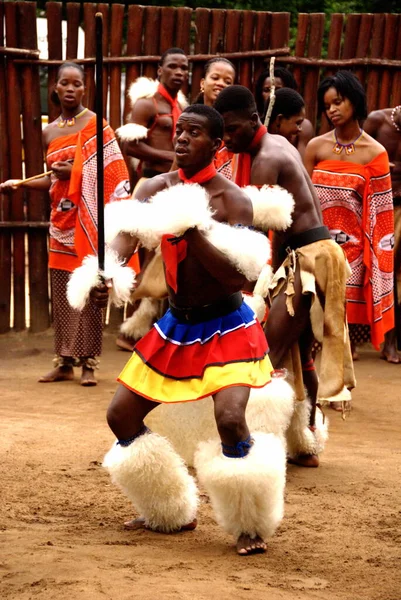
column 373, row 123
column 143, row 114
column 304, row 137
column 310, row 156
column 239, row 211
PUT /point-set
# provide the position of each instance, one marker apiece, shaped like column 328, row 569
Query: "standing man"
column 385, row 127
column 208, row 343
column 156, row 106
column 303, row 255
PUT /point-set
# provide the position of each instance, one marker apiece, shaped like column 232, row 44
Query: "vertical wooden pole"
column 54, row 42
column 373, row 77
column 262, row 42
column 134, row 48
column 90, row 51
column 5, row 200
column 151, row 38
column 117, row 22
column 233, row 34
column 73, row 20
column 389, row 48
column 316, row 33
column 300, row 47
column 396, row 95
column 202, row 29
column 182, row 35
column 103, row 9
column 245, row 71
column 37, row 201
column 15, row 146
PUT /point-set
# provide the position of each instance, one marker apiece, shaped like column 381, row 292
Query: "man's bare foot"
column 88, row 377
column 125, row 343
column 246, row 545
column 139, row 523
column 65, row 373
column 391, row 357
column 342, row 407
column 305, row 460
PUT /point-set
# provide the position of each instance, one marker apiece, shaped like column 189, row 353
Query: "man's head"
column 173, row 69
column 288, row 113
column 283, row 78
column 237, row 106
column 198, row 136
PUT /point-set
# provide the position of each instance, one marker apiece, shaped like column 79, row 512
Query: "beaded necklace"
column 349, row 148
column 395, row 109
column 70, row 121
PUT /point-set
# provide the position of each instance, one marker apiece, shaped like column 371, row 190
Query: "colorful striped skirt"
column 181, row 362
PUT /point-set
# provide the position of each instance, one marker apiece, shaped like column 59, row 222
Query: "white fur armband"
column 131, row 132
column 172, row 210
column 272, row 207
column 247, row 250
column 87, row 276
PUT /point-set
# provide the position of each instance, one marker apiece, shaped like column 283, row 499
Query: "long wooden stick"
column 33, row 178
column 272, row 98
column 99, row 139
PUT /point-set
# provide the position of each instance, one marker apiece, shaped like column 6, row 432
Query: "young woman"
column 70, row 146
column 350, row 172
column 288, row 114
column 219, row 73
column 283, row 78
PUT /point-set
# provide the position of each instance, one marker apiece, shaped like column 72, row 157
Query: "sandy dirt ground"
column 61, row 520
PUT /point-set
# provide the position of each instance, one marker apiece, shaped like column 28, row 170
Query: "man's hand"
column 100, row 294
column 62, row 169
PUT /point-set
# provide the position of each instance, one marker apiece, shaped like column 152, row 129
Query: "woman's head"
column 218, row 74
column 283, row 78
column 288, row 113
column 342, row 98
column 69, row 88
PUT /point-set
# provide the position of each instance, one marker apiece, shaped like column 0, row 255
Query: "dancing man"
column 303, row 256
column 208, row 343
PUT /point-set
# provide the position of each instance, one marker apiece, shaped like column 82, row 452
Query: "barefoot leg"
column 88, row 364
column 63, row 370
column 389, row 350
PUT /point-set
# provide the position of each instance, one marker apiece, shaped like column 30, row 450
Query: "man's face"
column 173, row 73
column 192, row 142
column 239, row 130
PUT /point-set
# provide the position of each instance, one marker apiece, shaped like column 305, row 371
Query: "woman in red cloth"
column 70, row 146
column 351, row 174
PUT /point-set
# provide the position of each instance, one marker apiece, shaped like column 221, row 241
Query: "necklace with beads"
column 349, row 148
column 393, row 112
column 70, row 121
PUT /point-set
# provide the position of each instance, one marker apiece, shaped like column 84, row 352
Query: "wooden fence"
column 134, row 38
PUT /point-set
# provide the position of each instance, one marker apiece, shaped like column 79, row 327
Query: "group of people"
column 332, row 265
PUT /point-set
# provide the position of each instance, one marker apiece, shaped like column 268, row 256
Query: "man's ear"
column 279, row 120
column 216, row 145
column 159, row 72
column 255, row 120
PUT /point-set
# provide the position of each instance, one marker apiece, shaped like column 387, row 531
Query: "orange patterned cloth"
column 357, row 208
column 73, row 218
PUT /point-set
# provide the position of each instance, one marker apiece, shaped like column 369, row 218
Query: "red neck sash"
column 175, row 107
column 244, row 161
column 174, row 250
column 202, row 176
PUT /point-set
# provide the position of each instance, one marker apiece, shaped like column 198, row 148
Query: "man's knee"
column 230, row 421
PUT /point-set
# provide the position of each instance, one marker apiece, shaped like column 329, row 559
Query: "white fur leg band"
column 300, row 438
column 87, row 276
column 156, row 480
column 247, row 494
column 272, row 207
